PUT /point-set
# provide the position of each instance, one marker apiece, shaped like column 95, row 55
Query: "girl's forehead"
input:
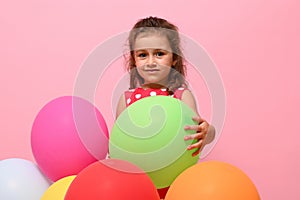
column 152, row 41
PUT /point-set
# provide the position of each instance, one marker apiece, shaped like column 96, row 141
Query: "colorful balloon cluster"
column 70, row 141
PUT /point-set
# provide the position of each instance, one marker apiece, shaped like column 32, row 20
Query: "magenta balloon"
column 68, row 134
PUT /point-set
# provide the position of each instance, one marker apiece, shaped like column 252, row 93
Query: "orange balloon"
column 212, row 180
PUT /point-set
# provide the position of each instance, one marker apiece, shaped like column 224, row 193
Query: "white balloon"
column 21, row 179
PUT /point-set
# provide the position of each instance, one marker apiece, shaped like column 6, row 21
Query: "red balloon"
column 114, row 180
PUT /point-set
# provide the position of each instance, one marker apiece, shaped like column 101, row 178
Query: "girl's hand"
column 200, row 136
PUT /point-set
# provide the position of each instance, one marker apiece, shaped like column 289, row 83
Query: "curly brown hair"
column 151, row 25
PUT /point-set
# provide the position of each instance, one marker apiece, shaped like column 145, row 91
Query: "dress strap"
column 178, row 93
column 127, row 95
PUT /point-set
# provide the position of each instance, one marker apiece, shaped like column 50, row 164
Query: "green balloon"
column 149, row 134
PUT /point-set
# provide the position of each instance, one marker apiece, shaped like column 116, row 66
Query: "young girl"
column 156, row 67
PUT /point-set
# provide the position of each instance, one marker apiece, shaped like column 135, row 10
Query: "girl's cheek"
column 139, row 63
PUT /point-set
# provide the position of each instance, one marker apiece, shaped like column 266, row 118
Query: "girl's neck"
column 153, row 85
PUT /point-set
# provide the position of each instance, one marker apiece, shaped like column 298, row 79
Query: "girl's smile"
column 151, row 70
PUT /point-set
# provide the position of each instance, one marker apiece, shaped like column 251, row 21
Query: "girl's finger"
column 195, row 145
column 196, row 152
column 197, row 136
column 192, row 127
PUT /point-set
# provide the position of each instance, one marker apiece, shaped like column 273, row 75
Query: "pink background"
column 254, row 44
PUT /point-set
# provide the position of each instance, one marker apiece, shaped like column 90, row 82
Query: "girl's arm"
column 205, row 132
column 121, row 106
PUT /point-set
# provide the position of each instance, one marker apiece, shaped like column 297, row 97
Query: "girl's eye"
column 160, row 53
column 142, row 55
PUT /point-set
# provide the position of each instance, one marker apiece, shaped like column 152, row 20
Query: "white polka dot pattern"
column 152, row 93
column 138, row 96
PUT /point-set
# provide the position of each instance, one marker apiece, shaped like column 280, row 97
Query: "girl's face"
column 153, row 58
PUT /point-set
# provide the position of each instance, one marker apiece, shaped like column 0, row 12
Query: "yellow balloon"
column 58, row 189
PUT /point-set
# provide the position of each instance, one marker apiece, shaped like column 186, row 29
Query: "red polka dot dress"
column 134, row 95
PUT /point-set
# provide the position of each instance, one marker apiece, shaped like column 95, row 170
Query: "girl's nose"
column 151, row 61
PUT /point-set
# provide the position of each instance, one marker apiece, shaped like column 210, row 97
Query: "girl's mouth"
column 151, row 70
